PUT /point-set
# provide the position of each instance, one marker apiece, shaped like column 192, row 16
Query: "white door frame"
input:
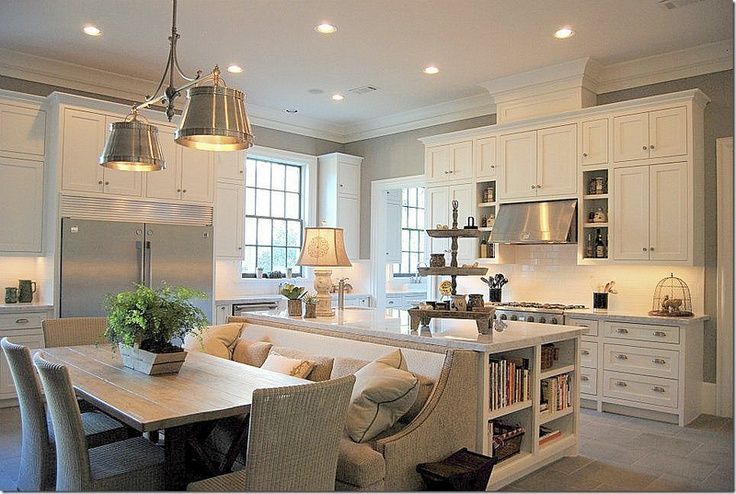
column 724, row 278
column 378, row 227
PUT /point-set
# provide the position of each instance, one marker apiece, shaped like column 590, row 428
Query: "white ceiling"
column 384, row 43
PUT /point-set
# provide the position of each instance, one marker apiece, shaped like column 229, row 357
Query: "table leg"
column 175, row 448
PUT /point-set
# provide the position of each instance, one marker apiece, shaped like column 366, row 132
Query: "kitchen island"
column 512, row 386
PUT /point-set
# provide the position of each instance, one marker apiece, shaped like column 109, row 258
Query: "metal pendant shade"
column 133, row 146
column 215, row 120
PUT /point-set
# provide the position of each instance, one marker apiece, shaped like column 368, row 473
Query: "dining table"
column 205, row 389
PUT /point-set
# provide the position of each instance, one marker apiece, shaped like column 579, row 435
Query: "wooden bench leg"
column 238, row 445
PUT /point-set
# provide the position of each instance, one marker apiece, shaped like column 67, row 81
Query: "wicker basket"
column 550, row 353
column 506, row 440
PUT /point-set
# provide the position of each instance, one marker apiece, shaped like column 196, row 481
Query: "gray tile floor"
column 617, row 453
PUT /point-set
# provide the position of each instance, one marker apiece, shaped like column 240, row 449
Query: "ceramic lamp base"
column 322, row 284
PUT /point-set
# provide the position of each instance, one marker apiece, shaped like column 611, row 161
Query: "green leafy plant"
column 293, row 292
column 152, row 318
column 310, row 298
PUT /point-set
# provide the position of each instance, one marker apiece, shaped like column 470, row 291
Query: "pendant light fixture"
column 214, row 119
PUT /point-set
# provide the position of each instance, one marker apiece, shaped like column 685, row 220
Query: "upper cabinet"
column 82, row 142
column 485, row 157
column 22, row 130
column 449, row 162
column 339, row 197
column 538, row 163
column 230, row 166
column 653, row 134
column 594, row 142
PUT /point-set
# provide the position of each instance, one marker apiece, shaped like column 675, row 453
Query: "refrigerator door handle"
column 149, row 267
column 141, row 263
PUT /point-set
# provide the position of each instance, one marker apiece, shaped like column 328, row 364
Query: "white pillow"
column 285, row 365
column 216, row 340
column 383, row 392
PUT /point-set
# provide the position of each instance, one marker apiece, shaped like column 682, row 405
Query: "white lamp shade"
column 323, row 247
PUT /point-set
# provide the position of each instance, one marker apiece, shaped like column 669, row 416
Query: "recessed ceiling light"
column 315, row 91
column 326, row 28
column 431, row 70
column 91, row 30
column 338, row 97
column 234, row 68
column 564, row 33
column 290, row 110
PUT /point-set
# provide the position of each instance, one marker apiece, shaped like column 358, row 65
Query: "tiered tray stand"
column 483, row 316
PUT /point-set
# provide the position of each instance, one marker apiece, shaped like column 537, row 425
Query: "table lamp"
column 324, row 247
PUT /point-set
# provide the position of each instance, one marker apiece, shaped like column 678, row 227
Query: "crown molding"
column 690, row 62
column 295, row 124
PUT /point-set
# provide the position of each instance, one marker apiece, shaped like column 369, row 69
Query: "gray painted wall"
column 396, row 155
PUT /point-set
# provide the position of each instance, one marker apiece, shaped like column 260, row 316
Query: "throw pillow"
column 286, row 365
column 345, row 366
column 216, row 340
column 322, row 365
column 426, row 385
column 383, row 392
column 251, row 352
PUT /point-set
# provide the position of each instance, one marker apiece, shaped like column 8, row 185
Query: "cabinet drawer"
column 590, row 325
column 22, row 320
column 642, row 332
column 589, row 354
column 642, row 389
column 648, row 361
column 588, row 378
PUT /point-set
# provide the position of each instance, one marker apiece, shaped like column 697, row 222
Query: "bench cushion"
column 358, row 464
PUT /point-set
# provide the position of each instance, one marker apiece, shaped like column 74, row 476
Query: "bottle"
column 589, row 246
column 600, row 247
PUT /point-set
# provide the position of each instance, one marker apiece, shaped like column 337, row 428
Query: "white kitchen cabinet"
column 485, row 158
column 31, row 338
column 556, row 163
column 654, row 134
column 393, row 226
column 165, row 184
column 339, row 197
column 594, row 142
column 222, row 311
column 518, row 159
column 449, row 162
column 21, row 201
column 229, row 221
column 22, row 130
column 436, row 212
column 651, row 216
column 230, row 166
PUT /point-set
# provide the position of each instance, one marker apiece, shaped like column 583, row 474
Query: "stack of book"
column 509, row 381
column 555, row 393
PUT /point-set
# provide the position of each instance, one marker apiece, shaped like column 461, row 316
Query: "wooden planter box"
column 151, row 363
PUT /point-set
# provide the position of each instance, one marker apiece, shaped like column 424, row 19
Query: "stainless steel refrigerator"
column 106, row 257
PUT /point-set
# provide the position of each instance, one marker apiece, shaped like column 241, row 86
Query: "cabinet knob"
column 107, row 183
column 651, row 248
column 585, row 155
column 493, row 166
column 644, row 249
column 100, row 182
column 184, row 190
column 585, row 352
column 539, row 186
column 341, row 185
column 651, row 146
column 661, row 334
column 179, row 190
column 584, row 378
column 658, row 361
column 534, row 186
column 240, row 248
column 446, row 172
column 645, row 148
column 22, row 320
column 658, row 389
column 621, row 356
column 622, row 331
column 240, row 171
column 451, row 171
column 622, row 384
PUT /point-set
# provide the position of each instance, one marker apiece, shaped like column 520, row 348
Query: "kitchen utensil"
column 485, row 280
column 458, row 303
column 11, row 295
column 26, row 289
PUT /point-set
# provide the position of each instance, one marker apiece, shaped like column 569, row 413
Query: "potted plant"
column 294, row 294
column 144, row 322
column 310, row 305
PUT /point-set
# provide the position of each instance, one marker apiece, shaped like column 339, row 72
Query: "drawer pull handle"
column 22, row 320
column 584, row 378
column 585, row 352
column 658, row 389
column 621, row 356
column 622, row 331
column 622, row 384
column 659, row 361
column 660, row 333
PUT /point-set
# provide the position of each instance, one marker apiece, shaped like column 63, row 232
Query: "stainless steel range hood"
column 549, row 222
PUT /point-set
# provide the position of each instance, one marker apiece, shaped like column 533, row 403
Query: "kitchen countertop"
column 620, row 315
column 13, row 308
column 394, row 324
column 416, row 291
column 275, row 297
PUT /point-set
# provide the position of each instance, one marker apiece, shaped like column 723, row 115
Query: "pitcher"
column 26, row 289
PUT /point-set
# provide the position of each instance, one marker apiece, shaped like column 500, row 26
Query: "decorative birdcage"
column 672, row 298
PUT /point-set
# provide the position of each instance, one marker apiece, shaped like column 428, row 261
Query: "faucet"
column 341, row 293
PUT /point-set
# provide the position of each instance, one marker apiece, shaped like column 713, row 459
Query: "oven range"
column 533, row 312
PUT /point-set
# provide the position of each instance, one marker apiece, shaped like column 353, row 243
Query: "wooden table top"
column 205, row 388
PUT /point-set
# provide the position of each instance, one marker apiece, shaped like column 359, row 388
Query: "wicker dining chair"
column 37, row 466
column 130, row 465
column 73, row 331
column 293, row 439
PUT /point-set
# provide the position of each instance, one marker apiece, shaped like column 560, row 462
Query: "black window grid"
column 402, row 269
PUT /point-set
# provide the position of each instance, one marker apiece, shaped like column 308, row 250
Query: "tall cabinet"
column 339, row 197
column 229, row 215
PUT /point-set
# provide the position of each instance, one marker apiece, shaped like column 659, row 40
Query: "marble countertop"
column 453, row 333
column 13, row 308
column 411, row 291
column 620, row 315
column 275, row 297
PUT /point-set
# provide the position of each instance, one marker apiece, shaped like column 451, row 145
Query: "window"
column 412, row 231
column 274, row 216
